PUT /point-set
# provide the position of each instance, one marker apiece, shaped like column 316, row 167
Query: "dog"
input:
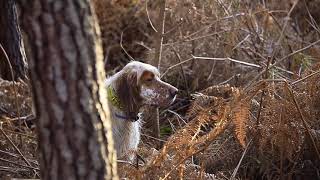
column 136, row 85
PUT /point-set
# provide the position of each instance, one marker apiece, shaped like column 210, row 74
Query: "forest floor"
column 249, row 90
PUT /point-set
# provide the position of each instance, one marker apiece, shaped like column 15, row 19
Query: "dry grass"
column 249, row 46
column 248, row 75
column 18, row 142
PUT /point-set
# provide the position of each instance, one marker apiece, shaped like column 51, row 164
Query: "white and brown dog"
column 137, row 84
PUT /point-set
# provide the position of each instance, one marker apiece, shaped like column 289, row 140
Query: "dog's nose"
column 173, row 92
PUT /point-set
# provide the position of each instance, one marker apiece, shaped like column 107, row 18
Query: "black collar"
column 132, row 118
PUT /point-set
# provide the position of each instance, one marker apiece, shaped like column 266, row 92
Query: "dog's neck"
column 113, row 98
column 118, row 106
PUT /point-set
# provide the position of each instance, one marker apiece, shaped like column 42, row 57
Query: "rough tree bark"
column 67, row 75
column 10, row 39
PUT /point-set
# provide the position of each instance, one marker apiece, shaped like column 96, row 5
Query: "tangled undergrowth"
column 268, row 131
column 248, row 74
column 18, row 141
column 261, row 49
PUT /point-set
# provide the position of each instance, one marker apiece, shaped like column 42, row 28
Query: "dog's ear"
column 128, row 92
column 132, row 79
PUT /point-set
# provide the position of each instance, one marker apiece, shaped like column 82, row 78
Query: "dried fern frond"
column 199, row 104
column 240, row 120
column 210, row 117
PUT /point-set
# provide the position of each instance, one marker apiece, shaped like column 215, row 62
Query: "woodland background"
column 248, row 79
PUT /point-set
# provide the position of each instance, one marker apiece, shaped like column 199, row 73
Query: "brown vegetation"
column 248, row 74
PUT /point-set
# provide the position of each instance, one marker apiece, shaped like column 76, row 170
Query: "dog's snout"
column 173, row 92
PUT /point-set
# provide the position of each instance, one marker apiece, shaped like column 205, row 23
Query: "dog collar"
column 113, row 98
column 132, row 119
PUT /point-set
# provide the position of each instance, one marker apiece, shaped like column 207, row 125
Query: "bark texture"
column 67, row 75
column 10, row 39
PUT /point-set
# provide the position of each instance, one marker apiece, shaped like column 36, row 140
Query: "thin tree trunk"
column 158, row 53
column 10, row 38
column 67, row 75
column 160, row 33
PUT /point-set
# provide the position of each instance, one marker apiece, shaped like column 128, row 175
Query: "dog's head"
column 140, row 84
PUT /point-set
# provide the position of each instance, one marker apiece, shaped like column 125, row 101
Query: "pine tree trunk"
column 10, row 39
column 67, row 75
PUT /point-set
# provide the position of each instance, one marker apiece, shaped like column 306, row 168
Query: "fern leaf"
column 240, row 119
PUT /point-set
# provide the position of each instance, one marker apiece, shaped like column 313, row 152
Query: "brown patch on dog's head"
column 147, row 76
column 155, row 91
column 140, row 84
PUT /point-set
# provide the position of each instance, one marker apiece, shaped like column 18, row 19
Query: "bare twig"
column 13, row 170
column 313, row 22
column 172, row 126
column 227, row 59
column 154, row 111
column 281, row 60
column 185, row 40
column 14, row 88
column 158, row 52
column 148, row 136
column 209, row 58
column 125, row 51
column 16, row 148
column 228, row 80
column 22, row 134
column 240, row 161
column 160, row 34
column 212, row 70
column 15, row 163
column 302, row 79
column 173, row 28
column 178, row 115
column 262, row 95
column 16, row 155
column 293, row 53
column 176, row 65
column 284, row 28
column 214, row 22
column 242, row 41
column 29, row 117
column 182, row 71
column 8, row 61
column 304, row 122
column 149, row 19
